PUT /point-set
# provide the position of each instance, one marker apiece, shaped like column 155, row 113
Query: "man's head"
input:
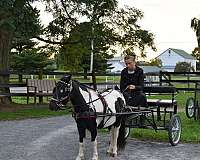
column 130, row 62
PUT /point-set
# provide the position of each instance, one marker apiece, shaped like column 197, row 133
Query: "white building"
column 172, row 56
column 117, row 64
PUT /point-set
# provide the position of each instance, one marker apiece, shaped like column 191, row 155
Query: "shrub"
column 183, row 67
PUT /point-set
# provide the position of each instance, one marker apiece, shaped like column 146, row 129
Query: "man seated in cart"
column 132, row 83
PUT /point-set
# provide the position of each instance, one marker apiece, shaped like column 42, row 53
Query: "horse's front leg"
column 95, row 152
column 93, row 131
column 81, row 131
column 81, row 151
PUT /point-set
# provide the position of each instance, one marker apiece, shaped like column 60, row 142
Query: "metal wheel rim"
column 190, row 108
column 127, row 131
column 176, row 130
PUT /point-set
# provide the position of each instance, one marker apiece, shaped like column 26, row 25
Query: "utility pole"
column 92, row 40
column 92, row 51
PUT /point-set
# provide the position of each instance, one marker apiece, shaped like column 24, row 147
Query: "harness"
column 91, row 113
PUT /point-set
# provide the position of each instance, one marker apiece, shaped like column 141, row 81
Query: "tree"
column 195, row 25
column 78, row 56
column 116, row 27
column 183, row 67
column 12, row 13
column 31, row 61
column 156, row 62
column 196, row 54
column 17, row 20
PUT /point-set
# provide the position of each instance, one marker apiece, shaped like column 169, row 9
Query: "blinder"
column 61, row 95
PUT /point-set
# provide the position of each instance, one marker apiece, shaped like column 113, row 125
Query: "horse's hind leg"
column 95, row 152
column 113, row 143
column 115, row 135
column 110, row 149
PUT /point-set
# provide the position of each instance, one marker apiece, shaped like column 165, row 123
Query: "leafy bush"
column 183, row 67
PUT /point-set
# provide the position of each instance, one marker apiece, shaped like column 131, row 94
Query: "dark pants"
column 136, row 99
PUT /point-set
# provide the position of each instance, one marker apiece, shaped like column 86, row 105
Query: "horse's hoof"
column 109, row 152
column 113, row 154
column 80, row 158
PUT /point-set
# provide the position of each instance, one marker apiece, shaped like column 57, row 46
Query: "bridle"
column 66, row 98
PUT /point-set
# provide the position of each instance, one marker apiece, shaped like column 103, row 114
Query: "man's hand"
column 131, row 87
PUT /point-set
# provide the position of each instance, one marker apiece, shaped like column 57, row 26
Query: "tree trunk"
column 94, row 80
column 20, row 78
column 85, row 73
column 5, row 47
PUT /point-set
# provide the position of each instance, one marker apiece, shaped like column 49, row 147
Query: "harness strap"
column 103, row 101
column 105, row 108
column 84, row 115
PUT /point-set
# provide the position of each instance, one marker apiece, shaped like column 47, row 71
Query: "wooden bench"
column 169, row 104
column 39, row 88
column 9, row 89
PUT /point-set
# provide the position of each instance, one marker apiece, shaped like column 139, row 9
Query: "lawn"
column 18, row 112
column 190, row 132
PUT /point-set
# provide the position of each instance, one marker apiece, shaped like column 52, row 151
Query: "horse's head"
column 61, row 93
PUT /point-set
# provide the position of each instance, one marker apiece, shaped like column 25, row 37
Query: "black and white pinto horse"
column 91, row 111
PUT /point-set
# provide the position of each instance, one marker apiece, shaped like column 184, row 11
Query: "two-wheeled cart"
column 161, row 114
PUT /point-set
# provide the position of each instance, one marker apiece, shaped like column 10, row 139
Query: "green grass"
column 23, row 100
column 30, row 112
column 190, row 132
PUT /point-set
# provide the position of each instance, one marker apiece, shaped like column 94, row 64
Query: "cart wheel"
column 196, row 112
column 174, row 130
column 190, row 107
column 127, row 132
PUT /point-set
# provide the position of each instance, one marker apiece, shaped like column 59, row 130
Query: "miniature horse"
column 91, row 111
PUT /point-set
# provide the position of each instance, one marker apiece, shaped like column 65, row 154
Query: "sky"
column 169, row 21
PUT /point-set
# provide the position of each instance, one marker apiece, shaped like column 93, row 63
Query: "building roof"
column 180, row 52
column 183, row 53
column 149, row 69
column 116, row 59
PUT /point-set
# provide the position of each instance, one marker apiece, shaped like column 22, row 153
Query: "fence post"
column 160, row 78
column 106, row 81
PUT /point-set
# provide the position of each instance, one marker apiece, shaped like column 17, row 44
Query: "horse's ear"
column 66, row 78
column 116, row 87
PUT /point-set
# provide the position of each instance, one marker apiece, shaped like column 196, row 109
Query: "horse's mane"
column 83, row 86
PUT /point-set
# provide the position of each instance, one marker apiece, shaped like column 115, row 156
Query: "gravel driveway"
column 57, row 139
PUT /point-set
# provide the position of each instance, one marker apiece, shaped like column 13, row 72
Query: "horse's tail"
column 121, row 140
